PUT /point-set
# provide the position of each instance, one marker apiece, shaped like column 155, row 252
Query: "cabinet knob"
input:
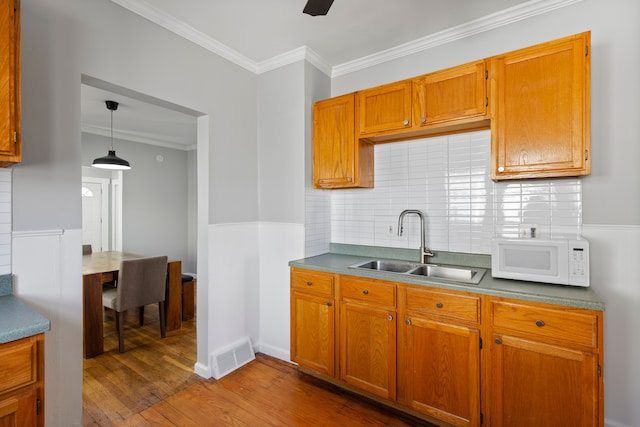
column 408, row 322
column 329, row 304
column 406, row 122
column 439, row 305
column 498, row 341
column 349, row 179
column 389, row 317
column 365, row 292
column 309, row 283
column 501, row 169
column 423, row 119
column 539, row 323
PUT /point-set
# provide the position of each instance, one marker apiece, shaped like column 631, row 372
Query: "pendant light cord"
column 111, row 130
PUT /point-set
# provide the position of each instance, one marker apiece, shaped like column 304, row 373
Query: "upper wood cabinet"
column 457, row 94
column 10, row 145
column 340, row 160
column 384, row 109
column 541, row 110
column 536, row 101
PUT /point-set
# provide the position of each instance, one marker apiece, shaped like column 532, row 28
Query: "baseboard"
column 203, row 370
column 276, row 352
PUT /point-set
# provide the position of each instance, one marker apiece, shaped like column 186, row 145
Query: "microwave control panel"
column 579, row 264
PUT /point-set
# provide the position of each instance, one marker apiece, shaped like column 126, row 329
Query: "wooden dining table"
column 103, row 267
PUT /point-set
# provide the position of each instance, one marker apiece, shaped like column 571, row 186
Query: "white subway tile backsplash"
column 448, row 179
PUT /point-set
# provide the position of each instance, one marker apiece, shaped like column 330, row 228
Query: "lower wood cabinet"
column 545, row 366
column 455, row 358
column 442, row 355
column 313, row 321
column 368, row 335
column 22, row 382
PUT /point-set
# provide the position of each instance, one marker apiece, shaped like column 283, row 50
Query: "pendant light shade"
column 111, row 161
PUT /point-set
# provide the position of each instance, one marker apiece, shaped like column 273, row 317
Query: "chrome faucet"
column 424, row 251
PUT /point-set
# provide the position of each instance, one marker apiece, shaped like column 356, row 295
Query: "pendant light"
column 111, row 161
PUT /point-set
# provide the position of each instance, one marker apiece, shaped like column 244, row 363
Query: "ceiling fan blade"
column 317, row 7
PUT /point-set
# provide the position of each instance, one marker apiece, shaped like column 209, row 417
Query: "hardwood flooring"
column 153, row 384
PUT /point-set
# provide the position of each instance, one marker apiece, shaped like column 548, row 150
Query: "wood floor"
column 153, row 384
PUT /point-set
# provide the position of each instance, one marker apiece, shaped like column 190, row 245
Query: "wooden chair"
column 141, row 281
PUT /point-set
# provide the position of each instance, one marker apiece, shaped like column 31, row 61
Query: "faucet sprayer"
column 424, row 251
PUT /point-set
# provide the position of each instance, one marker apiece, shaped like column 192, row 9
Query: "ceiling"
column 260, row 34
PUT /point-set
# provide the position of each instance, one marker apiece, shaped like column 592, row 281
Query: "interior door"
column 95, row 220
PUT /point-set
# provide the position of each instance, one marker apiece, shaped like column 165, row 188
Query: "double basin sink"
column 467, row 275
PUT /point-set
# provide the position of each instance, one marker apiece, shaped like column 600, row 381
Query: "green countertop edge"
column 17, row 319
column 341, row 256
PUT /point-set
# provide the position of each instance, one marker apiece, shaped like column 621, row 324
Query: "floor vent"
column 232, row 357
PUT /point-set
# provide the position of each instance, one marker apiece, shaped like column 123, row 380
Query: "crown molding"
column 505, row 17
column 295, row 55
column 145, row 10
column 143, row 138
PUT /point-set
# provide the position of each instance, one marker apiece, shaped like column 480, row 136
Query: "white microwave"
column 561, row 261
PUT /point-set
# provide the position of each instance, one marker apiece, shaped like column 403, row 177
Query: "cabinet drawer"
column 565, row 325
column 368, row 290
column 312, row 281
column 18, row 364
column 458, row 306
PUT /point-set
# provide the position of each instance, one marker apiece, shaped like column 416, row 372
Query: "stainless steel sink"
column 468, row 275
column 390, row 266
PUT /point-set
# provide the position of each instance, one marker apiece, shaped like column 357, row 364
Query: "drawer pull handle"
column 439, row 305
column 539, row 323
column 309, row 283
column 365, row 292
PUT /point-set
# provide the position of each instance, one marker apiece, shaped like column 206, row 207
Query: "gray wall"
column 611, row 191
column 64, row 39
column 281, row 107
column 155, row 199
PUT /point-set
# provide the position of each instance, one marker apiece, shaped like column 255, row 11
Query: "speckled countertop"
column 17, row 320
column 341, row 257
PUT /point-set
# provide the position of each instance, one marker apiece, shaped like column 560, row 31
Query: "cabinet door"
column 339, row 159
column 384, row 108
column 443, row 370
column 20, row 410
column 312, row 332
column 541, row 110
column 455, row 94
column 368, row 349
column 536, row 384
column 9, row 83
